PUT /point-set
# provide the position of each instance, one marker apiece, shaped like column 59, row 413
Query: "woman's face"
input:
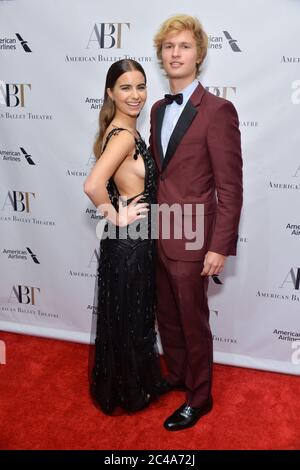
column 129, row 93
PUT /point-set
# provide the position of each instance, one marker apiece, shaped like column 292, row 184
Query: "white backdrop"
column 53, row 60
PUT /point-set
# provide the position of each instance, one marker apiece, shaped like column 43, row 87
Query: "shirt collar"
column 189, row 90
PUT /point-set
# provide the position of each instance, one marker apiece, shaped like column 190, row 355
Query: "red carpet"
column 45, row 404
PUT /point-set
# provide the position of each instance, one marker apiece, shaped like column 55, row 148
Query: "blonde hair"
column 179, row 23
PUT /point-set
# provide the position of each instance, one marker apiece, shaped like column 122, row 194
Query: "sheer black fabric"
column 126, row 370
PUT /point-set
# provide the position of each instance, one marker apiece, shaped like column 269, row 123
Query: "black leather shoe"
column 186, row 416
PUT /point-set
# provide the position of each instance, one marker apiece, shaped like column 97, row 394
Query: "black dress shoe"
column 186, row 416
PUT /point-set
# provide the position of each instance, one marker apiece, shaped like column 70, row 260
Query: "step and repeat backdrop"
column 54, row 56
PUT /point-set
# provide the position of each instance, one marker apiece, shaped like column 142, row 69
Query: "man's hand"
column 213, row 264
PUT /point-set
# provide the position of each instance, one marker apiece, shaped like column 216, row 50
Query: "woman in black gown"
column 126, row 368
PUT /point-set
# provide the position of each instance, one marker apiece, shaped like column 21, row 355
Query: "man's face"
column 179, row 55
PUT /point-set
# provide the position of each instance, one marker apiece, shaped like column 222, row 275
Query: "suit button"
column 162, row 177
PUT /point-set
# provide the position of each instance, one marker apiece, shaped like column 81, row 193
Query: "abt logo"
column 107, row 35
column 13, row 95
column 222, row 91
column 18, row 201
column 24, row 295
column 292, row 277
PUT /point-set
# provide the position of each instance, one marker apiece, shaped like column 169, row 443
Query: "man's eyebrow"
column 171, row 42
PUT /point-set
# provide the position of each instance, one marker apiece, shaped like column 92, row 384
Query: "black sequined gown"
column 126, row 368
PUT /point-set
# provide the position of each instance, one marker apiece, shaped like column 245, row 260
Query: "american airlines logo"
column 232, row 42
column 33, row 256
column 293, row 229
column 27, row 156
column 17, row 156
column 23, row 43
column 217, row 42
column 11, row 43
column 22, row 254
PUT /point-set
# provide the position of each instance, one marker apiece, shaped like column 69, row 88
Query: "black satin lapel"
column 180, row 129
column 159, row 120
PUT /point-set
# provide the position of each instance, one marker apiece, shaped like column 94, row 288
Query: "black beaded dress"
column 126, row 369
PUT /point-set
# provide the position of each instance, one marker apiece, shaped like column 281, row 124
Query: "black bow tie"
column 170, row 98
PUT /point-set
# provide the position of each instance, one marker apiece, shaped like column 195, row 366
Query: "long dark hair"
column 108, row 108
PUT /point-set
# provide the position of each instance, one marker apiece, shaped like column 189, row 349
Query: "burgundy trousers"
column 183, row 321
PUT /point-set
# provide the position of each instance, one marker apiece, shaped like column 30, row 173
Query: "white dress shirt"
column 172, row 114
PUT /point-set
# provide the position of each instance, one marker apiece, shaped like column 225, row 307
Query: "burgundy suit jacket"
column 202, row 165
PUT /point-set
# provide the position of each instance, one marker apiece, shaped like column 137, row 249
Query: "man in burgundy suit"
column 195, row 141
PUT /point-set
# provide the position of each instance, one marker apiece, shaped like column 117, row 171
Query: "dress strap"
column 115, row 131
